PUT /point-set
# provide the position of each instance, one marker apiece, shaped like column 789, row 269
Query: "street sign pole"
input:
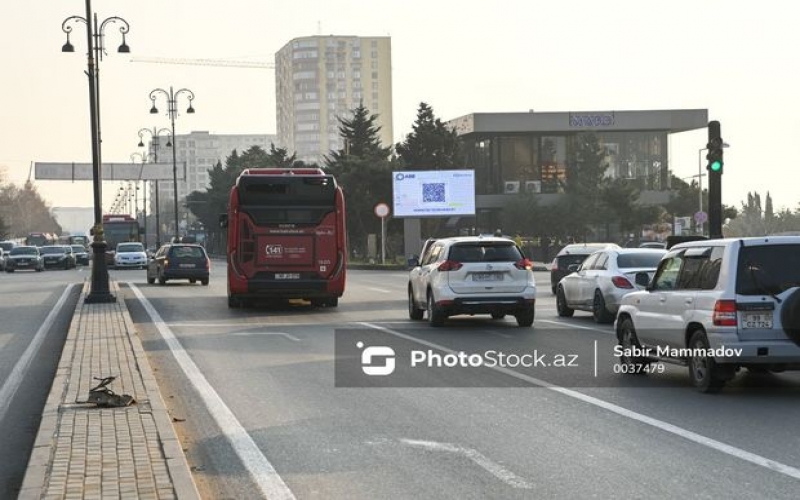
column 382, row 211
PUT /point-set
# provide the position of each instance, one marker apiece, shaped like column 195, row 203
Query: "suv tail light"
column 525, row 263
column 621, row 282
column 554, row 265
column 208, row 263
column 724, row 313
column 449, row 265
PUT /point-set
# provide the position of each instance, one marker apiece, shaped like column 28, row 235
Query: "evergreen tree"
column 363, row 169
column 430, row 145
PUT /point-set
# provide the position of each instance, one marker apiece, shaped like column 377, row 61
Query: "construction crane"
column 205, row 62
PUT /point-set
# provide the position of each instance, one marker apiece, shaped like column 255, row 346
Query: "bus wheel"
column 234, row 302
column 332, row 302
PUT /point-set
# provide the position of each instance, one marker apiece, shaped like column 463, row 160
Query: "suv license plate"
column 487, row 277
column 759, row 320
column 287, row 276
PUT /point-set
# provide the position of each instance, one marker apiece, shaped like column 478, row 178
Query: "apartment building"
column 321, row 78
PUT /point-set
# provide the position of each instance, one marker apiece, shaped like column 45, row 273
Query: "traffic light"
column 714, row 146
column 714, row 167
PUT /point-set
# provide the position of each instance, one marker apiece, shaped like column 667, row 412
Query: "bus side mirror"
column 223, row 221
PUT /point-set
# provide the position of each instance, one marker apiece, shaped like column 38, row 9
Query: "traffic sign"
column 382, row 210
column 700, row 217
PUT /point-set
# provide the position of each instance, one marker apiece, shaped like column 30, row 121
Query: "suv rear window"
column 485, row 252
column 768, row 269
column 186, row 253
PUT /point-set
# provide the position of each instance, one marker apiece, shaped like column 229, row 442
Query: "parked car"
column 60, row 256
column 24, row 257
column 472, row 275
column 130, row 255
column 599, row 283
column 717, row 306
column 179, row 261
column 81, row 255
column 2, row 259
column 574, row 253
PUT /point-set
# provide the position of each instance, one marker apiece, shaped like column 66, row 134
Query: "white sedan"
column 606, row 276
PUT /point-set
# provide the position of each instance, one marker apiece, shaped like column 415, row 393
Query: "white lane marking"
column 382, row 290
column 477, row 457
column 568, row 325
column 261, row 470
column 195, row 324
column 20, row 369
column 280, row 334
column 733, row 451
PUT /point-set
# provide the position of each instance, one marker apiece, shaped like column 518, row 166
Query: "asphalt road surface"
column 256, row 399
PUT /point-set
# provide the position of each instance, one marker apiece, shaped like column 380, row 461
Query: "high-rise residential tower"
column 321, row 78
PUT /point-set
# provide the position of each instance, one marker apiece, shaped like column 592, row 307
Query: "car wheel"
column 414, row 312
column 204, row 281
column 706, row 375
column 525, row 317
column 599, row 310
column 192, row 281
column 561, row 304
column 150, row 280
column 498, row 315
column 436, row 316
column 161, row 279
column 626, row 336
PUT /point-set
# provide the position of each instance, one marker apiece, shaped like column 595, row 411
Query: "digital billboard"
column 433, row 193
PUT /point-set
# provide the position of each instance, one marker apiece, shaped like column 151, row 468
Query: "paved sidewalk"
column 86, row 452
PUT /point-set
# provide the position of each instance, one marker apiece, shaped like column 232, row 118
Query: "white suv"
column 472, row 275
column 717, row 306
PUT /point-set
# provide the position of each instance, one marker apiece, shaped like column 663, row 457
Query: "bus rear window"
column 286, row 191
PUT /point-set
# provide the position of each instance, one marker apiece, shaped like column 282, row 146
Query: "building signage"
column 591, row 119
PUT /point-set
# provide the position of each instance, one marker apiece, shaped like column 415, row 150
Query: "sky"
column 739, row 60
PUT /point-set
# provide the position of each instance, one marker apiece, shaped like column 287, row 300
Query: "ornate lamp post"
column 172, row 110
column 155, row 135
column 100, row 290
column 144, row 191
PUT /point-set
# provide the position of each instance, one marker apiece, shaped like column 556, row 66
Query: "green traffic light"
column 716, row 166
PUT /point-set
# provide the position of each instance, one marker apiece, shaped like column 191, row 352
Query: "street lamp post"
column 144, row 191
column 155, row 134
column 100, row 290
column 172, row 110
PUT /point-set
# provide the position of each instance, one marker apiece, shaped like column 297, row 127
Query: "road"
column 254, row 398
column 35, row 310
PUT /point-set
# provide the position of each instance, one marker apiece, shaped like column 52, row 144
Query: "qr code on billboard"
column 433, row 192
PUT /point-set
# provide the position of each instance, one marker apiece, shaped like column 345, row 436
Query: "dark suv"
column 573, row 254
column 179, row 261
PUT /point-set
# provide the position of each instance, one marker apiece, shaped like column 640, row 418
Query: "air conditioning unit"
column 511, row 187
column 533, row 186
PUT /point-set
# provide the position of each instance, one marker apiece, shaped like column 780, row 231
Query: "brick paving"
column 86, row 452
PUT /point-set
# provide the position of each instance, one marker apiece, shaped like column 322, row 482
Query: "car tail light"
column 449, row 265
column 166, row 262
column 621, row 282
column 526, row 264
column 208, row 263
column 724, row 313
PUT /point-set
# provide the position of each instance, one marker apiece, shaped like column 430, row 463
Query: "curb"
column 42, row 457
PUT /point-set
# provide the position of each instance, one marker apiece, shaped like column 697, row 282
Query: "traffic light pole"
column 714, row 167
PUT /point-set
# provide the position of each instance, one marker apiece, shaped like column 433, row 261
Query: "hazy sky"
column 737, row 59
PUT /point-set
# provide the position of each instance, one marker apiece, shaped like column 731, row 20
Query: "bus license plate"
column 287, row 276
column 759, row 320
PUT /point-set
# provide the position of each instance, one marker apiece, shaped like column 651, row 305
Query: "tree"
column 363, row 169
column 430, row 145
column 25, row 211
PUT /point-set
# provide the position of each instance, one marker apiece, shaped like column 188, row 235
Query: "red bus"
column 286, row 237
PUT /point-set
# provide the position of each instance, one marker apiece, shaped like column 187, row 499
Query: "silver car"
column 600, row 282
